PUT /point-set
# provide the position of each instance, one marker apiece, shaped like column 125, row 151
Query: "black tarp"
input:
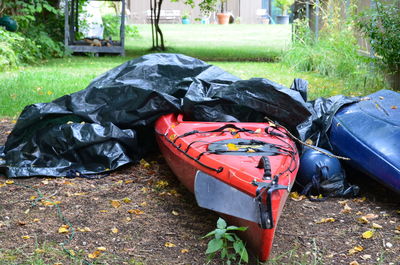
column 110, row 123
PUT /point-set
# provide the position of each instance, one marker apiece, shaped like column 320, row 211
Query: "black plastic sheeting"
column 110, row 123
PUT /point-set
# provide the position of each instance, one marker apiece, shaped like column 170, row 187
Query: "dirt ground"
column 142, row 215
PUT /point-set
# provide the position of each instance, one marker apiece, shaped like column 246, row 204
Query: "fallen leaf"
column 259, row 130
column 114, row 230
column 115, row 203
column 184, row 250
column 33, row 197
column 146, row 164
column 101, row 249
column 50, row 203
column 175, row 213
column 36, row 220
column 135, row 211
column 326, row 220
column 232, row 147
column 143, row 204
column 27, row 211
column 103, row 211
column 363, row 220
column 21, row 223
column 94, row 255
column 128, row 181
column 45, row 182
column 380, row 97
column 354, row 263
column 371, row 216
column 85, row 229
column 346, row 209
column 40, row 251
column 9, row 182
column 25, row 237
column 367, row 234
column 161, row 184
column 63, row 229
column 126, row 200
column 169, row 245
column 393, row 107
column 362, row 199
column 365, row 257
column 344, row 202
column 296, row 196
column 2, row 185
column 355, row 250
column 119, row 182
column 172, row 137
column 376, row 226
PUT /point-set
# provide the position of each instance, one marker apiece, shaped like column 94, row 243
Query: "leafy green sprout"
column 227, row 243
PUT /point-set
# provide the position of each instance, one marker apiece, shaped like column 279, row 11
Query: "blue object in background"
column 9, row 23
column 185, row 21
column 368, row 132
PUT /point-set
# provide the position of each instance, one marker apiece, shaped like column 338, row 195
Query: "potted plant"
column 381, row 26
column 284, row 6
column 185, row 18
column 223, row 16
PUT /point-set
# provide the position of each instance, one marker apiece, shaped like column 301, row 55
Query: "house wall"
column 246, row 9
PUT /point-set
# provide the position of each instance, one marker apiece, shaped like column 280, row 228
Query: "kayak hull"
column 239, row 171
column 368, row 132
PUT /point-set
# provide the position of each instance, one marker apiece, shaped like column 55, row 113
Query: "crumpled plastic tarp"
column 110, row 123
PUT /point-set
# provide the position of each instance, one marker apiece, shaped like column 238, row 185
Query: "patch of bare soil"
column 142, row 215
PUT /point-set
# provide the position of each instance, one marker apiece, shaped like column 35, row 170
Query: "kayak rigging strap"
column 266, row 218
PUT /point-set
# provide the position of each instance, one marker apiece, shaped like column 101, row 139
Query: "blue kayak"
column 368, row 132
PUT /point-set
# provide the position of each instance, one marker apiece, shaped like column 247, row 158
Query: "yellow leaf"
column 296, row 196
column 36, row 220
column 146, row 164
column 63, row 229
column 103, row 211
column 128, row 181
column 355, row 250
column 354, row 263
column 184, row 250
column 101, row 249
column 326, row 220
column 119, row 182
column 362, row 199
column 32, row 198
column 393, row 107
column 161, row 184
column 143, row 204
column 169, row 245
column 72, row 252
column 172, row 137
column 114, row 230
column 39, row 251
column 363, row 220
column 259, row 130
column 135, row 211
column 115, row 203
column 344, row 202
column 25, row 237
column 94, row 255
column 398, row 228
column 367, row 234
column 49, row 93
column 371, row 216
column 175, row 213
column 144, row 190
column 126, row 200
column 85, row 229
column 232, row 147
column 346, row 209
column 9, row 182
column 2, row 185
column 376, row 226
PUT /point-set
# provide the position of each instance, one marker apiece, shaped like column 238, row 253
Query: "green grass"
column 234, row 42
column 58, row 77
column 54, row 78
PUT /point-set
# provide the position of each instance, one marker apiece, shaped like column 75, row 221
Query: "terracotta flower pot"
column 223, row 18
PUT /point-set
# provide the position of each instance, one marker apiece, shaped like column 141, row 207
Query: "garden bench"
column 166, row 16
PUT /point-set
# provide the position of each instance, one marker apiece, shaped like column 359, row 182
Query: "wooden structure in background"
column 71, row 11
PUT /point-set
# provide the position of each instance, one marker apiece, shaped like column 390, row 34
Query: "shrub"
column 335, row 53
column 112, row 24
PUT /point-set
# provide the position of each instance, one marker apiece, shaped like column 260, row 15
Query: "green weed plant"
column 230, row 246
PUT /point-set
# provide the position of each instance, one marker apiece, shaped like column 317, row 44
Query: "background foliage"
column 39, row 35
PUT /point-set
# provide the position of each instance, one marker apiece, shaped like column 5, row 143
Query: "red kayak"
column 243, row 171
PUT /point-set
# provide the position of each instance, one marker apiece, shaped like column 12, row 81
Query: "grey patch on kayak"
column 218, row 196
